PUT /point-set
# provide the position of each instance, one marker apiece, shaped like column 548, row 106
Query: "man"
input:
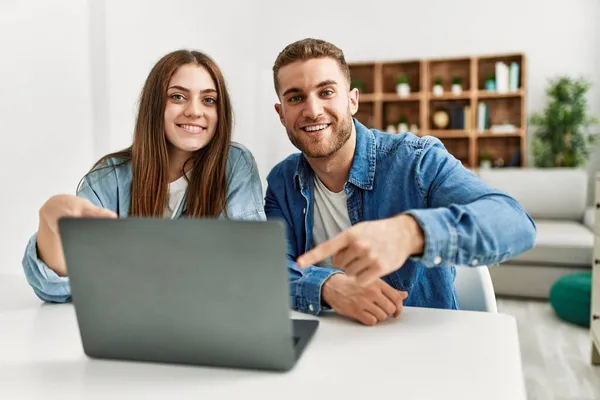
column 374, row 221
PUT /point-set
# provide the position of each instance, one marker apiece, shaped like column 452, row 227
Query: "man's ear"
column 279, row 112
column 353, row 99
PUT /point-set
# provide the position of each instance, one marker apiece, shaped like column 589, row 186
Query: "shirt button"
column 311, row 308
column 437, row 260
column 474, row 262
column 304, row 211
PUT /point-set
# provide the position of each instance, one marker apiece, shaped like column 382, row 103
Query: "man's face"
column 316, row 106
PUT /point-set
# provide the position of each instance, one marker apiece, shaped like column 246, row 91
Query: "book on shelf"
column 507, row 77
column 483, row 117
column 467, row 118
column 459, row 117
column 503, row 128
column 513, row 80
column 501, row 77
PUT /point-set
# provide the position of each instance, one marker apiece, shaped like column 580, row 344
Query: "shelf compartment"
column 391, row 70
column 363, row 73
column 447, row 69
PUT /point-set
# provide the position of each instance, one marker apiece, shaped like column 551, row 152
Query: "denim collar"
column 362, row 171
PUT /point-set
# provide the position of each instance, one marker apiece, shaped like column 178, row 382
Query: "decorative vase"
column 414, row 129
column 391, row 129
column 403, row 89
column 490, row 85
column 438, row 90
column 441, row 119
column 402, row 127
column 456, row 89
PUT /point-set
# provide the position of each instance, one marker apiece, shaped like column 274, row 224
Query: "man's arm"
column 305, row 284
column 465, row 222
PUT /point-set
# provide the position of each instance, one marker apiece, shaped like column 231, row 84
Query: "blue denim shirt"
column 111, row 188
column 464, row 221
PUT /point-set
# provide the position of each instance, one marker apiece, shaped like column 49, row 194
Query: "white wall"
column 45, row 113
column 73, row 70
column 245, row 39
column 140, row 32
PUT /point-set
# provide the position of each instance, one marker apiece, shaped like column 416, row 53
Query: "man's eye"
column 295, row 99
column 327, row 92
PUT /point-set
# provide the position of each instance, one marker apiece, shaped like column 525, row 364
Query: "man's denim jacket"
column 111, row 188
column 465, row 222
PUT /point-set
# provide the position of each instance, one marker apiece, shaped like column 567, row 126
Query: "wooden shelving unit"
column 380, row 105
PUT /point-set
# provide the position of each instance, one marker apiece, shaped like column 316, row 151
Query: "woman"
column 181, row 163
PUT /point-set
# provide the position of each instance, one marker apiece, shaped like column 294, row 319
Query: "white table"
column 426, row 354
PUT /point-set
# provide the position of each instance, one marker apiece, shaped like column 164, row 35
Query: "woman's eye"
column 177, row 97
column 210, row 100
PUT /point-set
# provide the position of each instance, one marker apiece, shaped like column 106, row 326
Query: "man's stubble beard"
column 312, row 147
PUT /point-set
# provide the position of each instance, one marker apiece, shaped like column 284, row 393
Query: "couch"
column 556, row 200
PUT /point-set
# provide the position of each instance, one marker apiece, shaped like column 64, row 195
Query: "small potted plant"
column 403, row 85
column 490, row 83
column 456, row 85
column 438, row 89
column 485, row 161
column 358, row 84
column 414, row 128
column 403, row 124
column 391, row 128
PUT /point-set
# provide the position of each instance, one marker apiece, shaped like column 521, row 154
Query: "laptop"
column 188, row 291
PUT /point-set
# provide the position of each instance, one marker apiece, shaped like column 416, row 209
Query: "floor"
column 555, row 354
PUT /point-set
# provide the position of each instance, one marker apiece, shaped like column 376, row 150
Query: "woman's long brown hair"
column 207, row 186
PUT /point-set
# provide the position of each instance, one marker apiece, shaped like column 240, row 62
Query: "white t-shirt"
column 176, row 193
column 330, row 215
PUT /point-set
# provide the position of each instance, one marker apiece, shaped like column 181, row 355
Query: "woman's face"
column 191, row 109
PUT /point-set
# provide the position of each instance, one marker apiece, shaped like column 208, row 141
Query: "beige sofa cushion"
column 546, row 193
column 589, row 218
column 560, row 242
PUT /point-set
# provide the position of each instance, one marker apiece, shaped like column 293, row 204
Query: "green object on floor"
column 571, row 298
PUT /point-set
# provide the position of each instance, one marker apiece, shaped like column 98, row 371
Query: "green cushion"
column 571, row 298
